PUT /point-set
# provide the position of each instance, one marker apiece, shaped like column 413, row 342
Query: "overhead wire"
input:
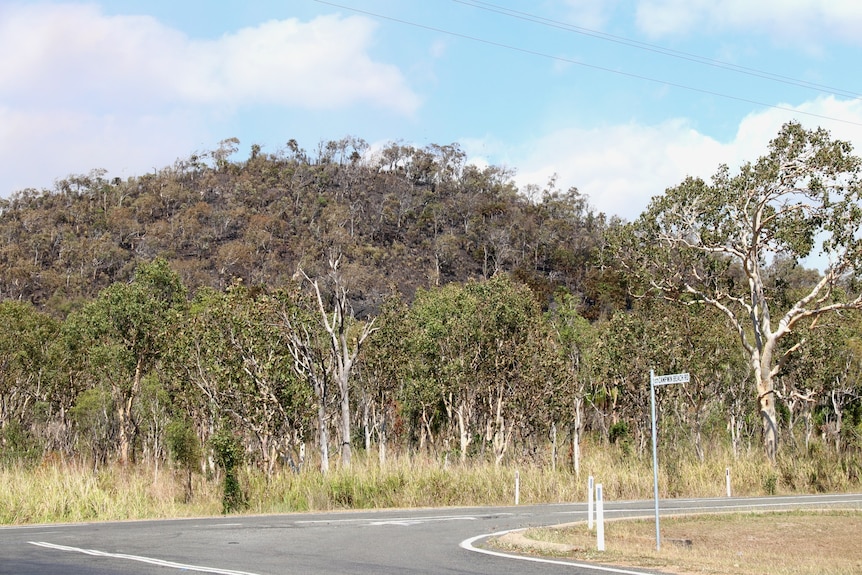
column 585, row 64
column 645, row 46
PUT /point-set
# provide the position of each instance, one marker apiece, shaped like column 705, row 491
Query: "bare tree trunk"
column 323, row 437
column 553, row 446
column 769, row 418
column 336, row 325
column 463, row 430
column 838, row 407
column 381, row 440
column 125, row 419
column 366, row 422
column 576, row 435
column 345, row 420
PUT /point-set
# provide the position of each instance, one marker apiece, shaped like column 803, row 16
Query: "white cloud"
column 592, row 14
column 80, row 89
column 620, row 168
column 797, row 20
column 69, row 51
column 40, row 147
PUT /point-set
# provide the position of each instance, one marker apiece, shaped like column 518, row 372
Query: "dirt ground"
column 792, row 543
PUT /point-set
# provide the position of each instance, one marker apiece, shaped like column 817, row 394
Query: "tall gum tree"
column 127, row 329
column 714, row 243
column 344, row 347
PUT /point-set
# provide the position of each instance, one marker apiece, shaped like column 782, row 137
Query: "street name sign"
column 670, row 379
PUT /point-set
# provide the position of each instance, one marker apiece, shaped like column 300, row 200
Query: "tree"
column 575, row 338
column 713, row 243
column 472, row 348
column 128, row 327
column 338, row 321
column 25, row 364
column 232, row 351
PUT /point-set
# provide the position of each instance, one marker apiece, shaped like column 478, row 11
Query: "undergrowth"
column 62, row 491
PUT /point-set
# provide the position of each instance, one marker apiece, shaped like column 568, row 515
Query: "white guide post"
column 727, row 480
column 600, row 519
column 591, row 486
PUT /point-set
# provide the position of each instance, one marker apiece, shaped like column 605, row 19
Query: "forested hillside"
column 401, row 218
column 304, row 306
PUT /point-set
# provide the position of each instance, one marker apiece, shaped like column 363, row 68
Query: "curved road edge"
column 803, row 501
column 468, row 544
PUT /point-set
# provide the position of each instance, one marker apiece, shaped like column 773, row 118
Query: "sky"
column 620, row 99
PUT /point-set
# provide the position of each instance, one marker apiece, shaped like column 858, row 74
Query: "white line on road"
column 149, row 560
column 468, row 545
column 401, row 521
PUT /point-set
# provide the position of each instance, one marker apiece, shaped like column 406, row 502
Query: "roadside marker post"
column 600, row 519
column 653, row 382
column 590, row 490
column 727, row 480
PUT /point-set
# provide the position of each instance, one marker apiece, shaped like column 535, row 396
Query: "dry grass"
column 790, row 543
column 65, row 491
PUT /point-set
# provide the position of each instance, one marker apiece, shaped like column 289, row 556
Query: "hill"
column 401, row 218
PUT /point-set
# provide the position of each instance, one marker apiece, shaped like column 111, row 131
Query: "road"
column 362, row 542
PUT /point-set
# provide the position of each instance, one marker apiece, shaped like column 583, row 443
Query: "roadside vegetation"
column 343, row 329
column 67, row 491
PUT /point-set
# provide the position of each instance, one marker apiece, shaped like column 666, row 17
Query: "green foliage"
column 229, row 455
column 543, row 339
column 619, row 432
column 183, row 443
column 95, row 423
column 714, row 244
column 18, row 444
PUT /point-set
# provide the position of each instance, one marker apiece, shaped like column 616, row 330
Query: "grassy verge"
column 790, row 543
column 58, row 491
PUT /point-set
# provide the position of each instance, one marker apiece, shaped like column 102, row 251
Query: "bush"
column 229, row 455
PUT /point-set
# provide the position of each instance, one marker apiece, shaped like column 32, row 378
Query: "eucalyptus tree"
column 128, row 328
column 576, row 339
column 26, row 371
column 824, row 379
column 711, row 243
column 233, row 353
column 469, row 346
column 345, row 337
column 24, row 347
column 385, row 367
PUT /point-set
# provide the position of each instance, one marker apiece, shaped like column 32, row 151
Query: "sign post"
column 653, row 382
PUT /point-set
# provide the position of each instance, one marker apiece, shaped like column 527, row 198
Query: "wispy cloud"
column 802, row 21
column 621, row 167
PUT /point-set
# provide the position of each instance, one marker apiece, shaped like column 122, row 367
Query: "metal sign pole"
column 653, row 382
column 654, row 459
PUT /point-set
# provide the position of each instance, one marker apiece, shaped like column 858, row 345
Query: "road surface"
column 356, row 542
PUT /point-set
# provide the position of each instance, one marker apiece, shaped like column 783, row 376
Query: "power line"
column 490, row 7
column 586, row 65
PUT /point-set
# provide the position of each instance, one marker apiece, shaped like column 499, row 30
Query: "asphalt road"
column 367, row 542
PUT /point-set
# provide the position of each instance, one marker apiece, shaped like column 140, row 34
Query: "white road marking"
column 400, row 521
column 408, row 521
column 769, row 502
column 149, row 560
column 468, row 545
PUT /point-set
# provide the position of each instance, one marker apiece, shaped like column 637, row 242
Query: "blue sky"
column 619, row 98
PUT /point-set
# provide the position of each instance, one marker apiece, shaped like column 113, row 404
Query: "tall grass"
column 60, row 491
